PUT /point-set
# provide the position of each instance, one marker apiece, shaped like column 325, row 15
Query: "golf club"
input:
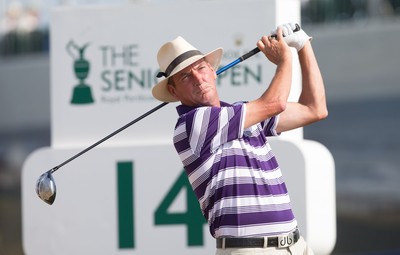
column 45, row 185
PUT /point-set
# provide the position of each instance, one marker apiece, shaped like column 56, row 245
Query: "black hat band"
column 179, row 59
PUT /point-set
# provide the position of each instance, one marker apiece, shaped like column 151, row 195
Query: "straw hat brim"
column 160, row 90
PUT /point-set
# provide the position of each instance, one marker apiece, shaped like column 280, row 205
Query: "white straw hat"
column 173, row 57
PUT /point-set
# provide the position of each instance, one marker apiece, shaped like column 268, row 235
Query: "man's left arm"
column 311, row 106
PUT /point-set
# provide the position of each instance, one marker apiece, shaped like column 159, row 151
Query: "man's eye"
column 202, row 68
column 185, row 77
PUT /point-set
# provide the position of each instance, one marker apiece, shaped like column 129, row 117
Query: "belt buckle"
column 286, row 240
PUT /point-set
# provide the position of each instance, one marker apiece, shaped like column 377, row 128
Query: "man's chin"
column 207, row 101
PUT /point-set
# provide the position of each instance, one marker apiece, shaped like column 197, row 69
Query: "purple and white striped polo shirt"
column 233, row 171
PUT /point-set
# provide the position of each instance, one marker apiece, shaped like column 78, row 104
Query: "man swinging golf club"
column 224, row 147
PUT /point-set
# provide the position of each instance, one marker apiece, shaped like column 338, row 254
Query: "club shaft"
column 110, row 135
column 248, row 54
column 221, row 70
column 237, row 61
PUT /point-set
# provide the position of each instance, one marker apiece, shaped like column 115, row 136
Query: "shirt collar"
column 182, row 109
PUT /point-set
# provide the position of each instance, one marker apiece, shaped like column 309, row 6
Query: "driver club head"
column 46, row 188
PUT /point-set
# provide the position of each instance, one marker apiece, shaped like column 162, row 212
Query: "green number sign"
column 125, row 205
column 192, row 217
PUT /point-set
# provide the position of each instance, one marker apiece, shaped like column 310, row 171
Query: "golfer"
column 224, row 147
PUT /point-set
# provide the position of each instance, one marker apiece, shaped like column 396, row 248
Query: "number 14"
column 192, row 218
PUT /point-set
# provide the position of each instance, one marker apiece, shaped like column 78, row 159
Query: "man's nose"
column 197, row 77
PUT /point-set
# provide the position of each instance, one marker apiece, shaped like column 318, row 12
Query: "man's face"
column 195, row 85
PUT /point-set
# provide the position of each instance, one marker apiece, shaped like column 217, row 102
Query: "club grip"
column 257, row 50
column 250, row 54
column 296, row 29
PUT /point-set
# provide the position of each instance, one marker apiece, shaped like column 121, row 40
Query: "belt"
column 281, row 241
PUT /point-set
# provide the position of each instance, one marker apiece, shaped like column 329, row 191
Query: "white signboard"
column 137, row 200
column 103, row 62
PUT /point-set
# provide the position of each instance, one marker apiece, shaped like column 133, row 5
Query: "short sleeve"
column 269, row 126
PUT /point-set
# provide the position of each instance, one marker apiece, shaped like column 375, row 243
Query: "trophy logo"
column 82, row 93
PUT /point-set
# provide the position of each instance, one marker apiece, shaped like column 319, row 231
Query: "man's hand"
column 276, row 50
column 293, row 39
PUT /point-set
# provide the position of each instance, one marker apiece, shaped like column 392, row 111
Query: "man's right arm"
column 273, row 100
